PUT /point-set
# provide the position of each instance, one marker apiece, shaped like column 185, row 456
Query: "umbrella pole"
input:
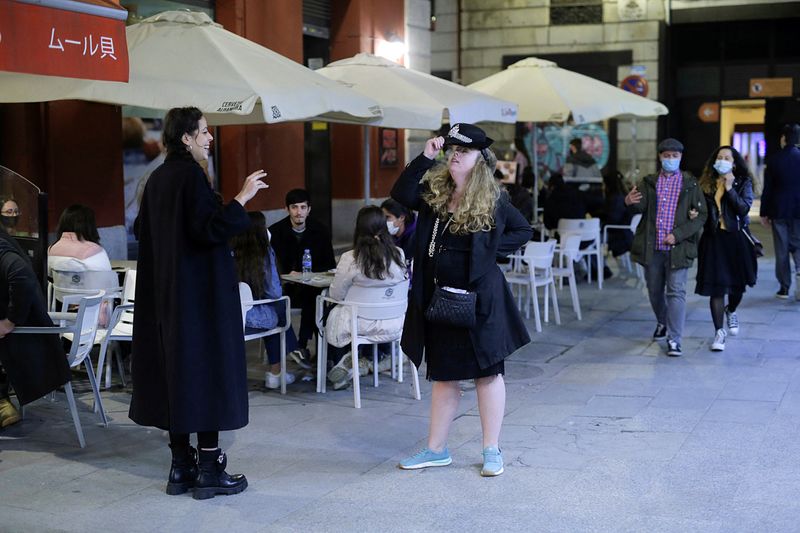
column 535, row 153
column 634, row 158
column 366, row 165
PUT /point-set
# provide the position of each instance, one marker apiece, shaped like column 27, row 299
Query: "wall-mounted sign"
column 770, row 87
column 49, row 41
column 709, row 112
column 632, row 9
column 635, row 84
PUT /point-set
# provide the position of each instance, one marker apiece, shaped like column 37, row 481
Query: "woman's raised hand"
column 252, row 184
column 432, row 147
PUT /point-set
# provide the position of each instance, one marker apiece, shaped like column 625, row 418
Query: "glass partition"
column 23, row 215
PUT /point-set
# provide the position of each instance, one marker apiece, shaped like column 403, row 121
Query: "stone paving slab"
column 603, row 432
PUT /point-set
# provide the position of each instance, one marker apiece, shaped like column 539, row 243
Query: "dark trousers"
column 304, row 297
column 786, row 237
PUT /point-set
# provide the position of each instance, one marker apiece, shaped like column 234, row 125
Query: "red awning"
column 70, row 38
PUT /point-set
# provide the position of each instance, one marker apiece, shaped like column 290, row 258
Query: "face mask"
column 392, row 228
column 722, row 166
column 670, row 165
column 7, row 221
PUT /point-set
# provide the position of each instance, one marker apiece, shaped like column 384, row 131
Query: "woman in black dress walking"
column 464, row 226
column 726, row 260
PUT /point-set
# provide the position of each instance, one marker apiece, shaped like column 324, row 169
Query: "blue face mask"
column 722, row 166
column 670, row 165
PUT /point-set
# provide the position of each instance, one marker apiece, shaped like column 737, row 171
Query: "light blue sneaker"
column 425, row 458
column 492, row 462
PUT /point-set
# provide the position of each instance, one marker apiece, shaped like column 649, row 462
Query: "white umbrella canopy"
column 547, row 93
column 413, row 99
column 183, row 58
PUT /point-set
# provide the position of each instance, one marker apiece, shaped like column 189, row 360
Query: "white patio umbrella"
column 547, row 93
column 183, row 58
column 412, row 99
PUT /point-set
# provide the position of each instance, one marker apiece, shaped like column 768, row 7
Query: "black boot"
column 183, row 472
column 212, row 478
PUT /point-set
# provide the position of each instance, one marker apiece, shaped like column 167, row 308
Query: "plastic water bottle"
column 306, row 264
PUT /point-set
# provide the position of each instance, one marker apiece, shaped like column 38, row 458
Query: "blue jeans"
column 786, row 238
column 666, row 288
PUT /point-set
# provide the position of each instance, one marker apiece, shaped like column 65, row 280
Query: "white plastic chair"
column 534, row 268
column 369, row 303
column 246, row 298
column 568, row 251
column 589, row 230
column 76, row 284
column 120, row 329
column 625, row 258
column 83, row 327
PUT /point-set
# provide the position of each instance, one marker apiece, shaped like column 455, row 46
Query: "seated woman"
column 374, row 261
column 77, row 247
column 256, row 266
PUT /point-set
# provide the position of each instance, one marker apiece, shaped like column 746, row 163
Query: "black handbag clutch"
column 452, row 308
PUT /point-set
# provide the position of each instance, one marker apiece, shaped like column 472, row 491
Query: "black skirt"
column 449, row 353
column 726, row 263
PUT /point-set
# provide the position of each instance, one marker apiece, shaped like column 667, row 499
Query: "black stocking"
column 733, row 301
column 717, row 310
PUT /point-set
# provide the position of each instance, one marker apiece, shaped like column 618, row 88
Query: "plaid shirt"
column 668, row 188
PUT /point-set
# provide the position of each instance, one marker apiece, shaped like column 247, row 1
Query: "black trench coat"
column 35, row 364
column 189, row 368
column 499, row 330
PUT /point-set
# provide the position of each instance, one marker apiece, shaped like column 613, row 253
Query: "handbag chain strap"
column 432, row 245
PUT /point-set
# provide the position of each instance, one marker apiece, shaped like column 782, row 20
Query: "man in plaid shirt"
column 673, row 212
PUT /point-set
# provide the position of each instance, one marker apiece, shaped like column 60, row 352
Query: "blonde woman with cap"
column 464, row 226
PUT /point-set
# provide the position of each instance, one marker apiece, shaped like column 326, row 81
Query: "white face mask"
column 392, row 228
column 722, row 166
column 670, row 164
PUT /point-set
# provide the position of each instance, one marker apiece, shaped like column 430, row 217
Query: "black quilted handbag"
column 452, row 308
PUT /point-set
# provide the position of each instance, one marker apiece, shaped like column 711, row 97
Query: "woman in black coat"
column 464, row 226
column 189, row 369
column 726, row 258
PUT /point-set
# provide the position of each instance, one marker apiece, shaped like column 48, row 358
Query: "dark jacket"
column 289, row 249
column 562, row 202
column 189, row 368
column 780, row 199
column 735, row 206
column 35, row 364
column 499, row 330
column 685, row 230
column 616, row 214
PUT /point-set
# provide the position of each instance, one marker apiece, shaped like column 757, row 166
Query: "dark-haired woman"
column 726, row 259
column 374, row 261
column 257, row 266
column 189, row 372
column 77, row 247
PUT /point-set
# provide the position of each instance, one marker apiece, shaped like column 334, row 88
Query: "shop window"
column 139, row 10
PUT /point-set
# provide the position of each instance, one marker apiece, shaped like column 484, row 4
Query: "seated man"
column 290, row 237
column 36, row 364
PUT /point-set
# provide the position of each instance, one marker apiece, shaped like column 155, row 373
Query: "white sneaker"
column 342, row 370
column 719, row 341
column 733, row 322
column 273, row 381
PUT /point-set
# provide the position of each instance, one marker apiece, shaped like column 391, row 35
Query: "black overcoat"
column 499, row 330
column 35, row 364
column 189, row 368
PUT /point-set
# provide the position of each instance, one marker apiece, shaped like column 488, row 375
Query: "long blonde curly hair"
column 475, row 211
